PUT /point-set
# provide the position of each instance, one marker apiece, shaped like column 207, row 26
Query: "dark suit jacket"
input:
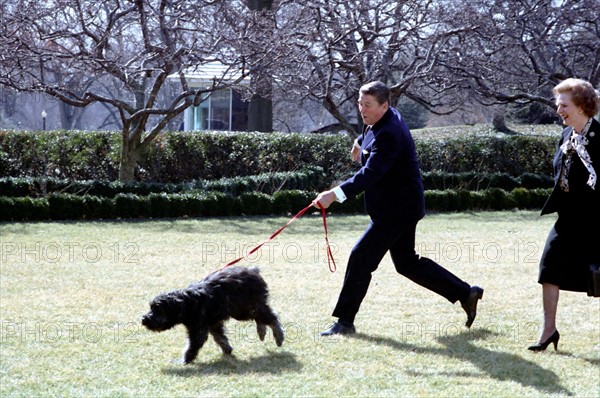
column 390, row 177
column 581, row 198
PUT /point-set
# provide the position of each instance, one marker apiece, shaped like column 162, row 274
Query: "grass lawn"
column 436, row 133
column 71, row 297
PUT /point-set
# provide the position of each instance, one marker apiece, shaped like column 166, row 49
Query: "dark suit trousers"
column 399, row 240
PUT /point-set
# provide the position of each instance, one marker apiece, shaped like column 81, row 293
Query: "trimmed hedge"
column 514, row 155
column 67, row 175
column 174, row 157
column 474, row 181
column 178, row 157
column 216, row 204
column 24, row 209
column 309, row 179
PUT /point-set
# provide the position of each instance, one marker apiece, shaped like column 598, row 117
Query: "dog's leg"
column 278, row 332
column 197, row 336
column 218, row 333
column 265, row 315
column 261, row 329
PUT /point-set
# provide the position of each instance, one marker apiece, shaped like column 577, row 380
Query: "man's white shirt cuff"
column 340, row 196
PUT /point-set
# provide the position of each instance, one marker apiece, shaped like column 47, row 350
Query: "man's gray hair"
column 378, row 90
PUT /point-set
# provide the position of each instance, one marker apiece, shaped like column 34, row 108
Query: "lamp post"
column 44, row 114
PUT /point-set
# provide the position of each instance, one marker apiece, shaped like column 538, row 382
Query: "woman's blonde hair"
column 582, row 93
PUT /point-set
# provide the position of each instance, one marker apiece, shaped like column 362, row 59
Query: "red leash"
column 330, row 259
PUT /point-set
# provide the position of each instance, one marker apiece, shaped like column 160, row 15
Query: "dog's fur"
column 203, row 307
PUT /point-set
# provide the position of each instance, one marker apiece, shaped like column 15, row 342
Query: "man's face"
column 371, row 110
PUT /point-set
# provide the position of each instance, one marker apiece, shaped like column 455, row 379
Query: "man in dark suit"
column 394, row 199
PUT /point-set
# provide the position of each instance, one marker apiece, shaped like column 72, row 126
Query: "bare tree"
column 519, row 49
column 136, row 45
column 431, row 51
column 260, row 109
column 439, row 53
column 343, row 44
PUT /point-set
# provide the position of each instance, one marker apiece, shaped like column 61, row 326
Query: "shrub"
column 185, row 156
column 513, row 155
column 216, row 204
column 530, row 180
column 256, row 203
column 66, row 207
column 98, row 208
column 522, row 197
column 538, row 197
column 499, row 199
column 436, row 200
column 503, row 181
column 6, row 208
column 132, row 206
column 292, row 201
column 177, row 157
column 353, row 206
column 195, row 204
column 161, row 205
column 25, row 209
column 16, row 186
column 65, row 154
column 310, row 178
column 466, row 201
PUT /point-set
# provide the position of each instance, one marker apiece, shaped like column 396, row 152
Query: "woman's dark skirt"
column 568, row 253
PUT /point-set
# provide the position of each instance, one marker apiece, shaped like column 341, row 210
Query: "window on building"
column 223, row 110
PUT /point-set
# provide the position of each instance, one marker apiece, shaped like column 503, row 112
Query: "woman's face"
column 567, row 110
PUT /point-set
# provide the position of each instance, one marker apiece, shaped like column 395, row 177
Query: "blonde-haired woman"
column 573, row 243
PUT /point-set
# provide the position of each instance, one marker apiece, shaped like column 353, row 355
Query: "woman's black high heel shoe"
column 542, row 346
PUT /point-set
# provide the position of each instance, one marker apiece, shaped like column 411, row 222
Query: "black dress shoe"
column 470, row 304
column 339, row 328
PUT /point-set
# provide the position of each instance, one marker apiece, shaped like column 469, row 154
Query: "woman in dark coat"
column 569, row 248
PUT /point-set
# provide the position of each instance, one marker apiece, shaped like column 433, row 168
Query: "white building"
column 223, row 109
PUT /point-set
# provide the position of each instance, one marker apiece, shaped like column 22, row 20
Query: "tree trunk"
column 260, row 109
column 127, row 166
column 499, row 122
column 260, row 114
column 130, row 154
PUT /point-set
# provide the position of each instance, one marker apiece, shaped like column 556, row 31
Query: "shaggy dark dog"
column 233, row 292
